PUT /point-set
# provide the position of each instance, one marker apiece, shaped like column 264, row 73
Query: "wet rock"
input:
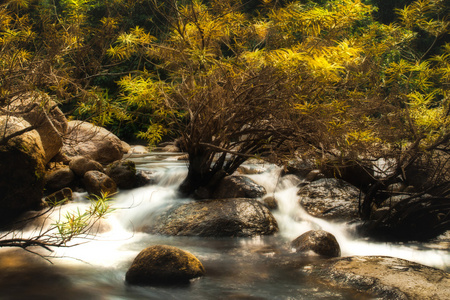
column 379, row 213
column 251, row 169
column 314, row 175
column 123, row 172
column 319, row 241
column 144, row 177
column 238, row 187
column 355, row 173
column 164, row 265
column 392, row 201
column 331, row 199
column 97, row 183
column 396, row 187
column 85, row 139
column 59, row 179
column 81, row 164
column 299, row 167
column 383, row 277
column 22, row 169
column 270, row 202
column 216, row 218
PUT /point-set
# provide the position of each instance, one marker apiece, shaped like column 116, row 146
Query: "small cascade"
column 293, row 221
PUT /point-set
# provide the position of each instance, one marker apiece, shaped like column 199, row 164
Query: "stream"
column 236, row 268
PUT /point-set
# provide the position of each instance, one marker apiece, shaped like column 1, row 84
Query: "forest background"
column 343, row 81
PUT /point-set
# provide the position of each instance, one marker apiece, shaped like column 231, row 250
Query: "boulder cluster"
column 44, row 154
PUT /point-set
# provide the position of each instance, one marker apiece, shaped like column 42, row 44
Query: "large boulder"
column 216, row 218
column 43, row 113
column 85, row 139
column 382, row 277
column 123, row 172
column 164, row 265
column 318, row 241
column 238, row 187
column 22, row 169
column 97, row 183
column 331, row 199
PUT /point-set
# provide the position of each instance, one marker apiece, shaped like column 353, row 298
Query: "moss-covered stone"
column 164, row 265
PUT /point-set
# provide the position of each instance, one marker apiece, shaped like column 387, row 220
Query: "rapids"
column 237, row 268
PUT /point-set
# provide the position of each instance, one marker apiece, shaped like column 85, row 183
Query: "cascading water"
column 294, row 220
column 237, row 268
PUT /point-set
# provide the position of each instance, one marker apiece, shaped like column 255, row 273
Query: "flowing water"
column 237, row 268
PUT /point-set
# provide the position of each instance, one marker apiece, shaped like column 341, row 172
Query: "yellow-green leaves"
column 137, row 41
column 427, row 15
column 297, row 21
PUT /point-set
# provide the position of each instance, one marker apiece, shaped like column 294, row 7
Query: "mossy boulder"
column 22, row 166
column 164, row 265
column 216, row 218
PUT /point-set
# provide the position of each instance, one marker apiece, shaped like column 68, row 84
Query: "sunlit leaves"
column 297, row 21
column 131, row 43
column 425, row 15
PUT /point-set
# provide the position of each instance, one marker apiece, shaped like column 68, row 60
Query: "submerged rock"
column 319, row 241
column 331, row 199
column 383, row 277
column 162, row 265
column 216, row 218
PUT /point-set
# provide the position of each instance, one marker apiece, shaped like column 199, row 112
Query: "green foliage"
column 77, row 223
column 327, row 70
